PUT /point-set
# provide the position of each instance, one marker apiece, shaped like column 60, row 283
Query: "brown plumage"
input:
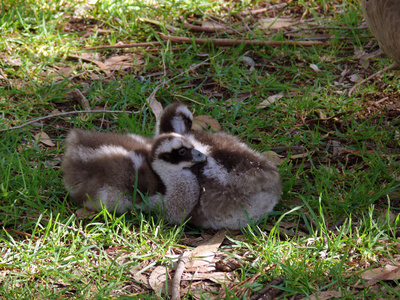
column 383, row 19
column 238, row 185
column 104, row 166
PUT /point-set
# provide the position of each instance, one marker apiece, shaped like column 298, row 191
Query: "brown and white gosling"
column 104, row 167
column 238, row 185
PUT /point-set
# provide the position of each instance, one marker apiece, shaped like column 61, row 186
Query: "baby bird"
column 106, row 167
column 238, row 185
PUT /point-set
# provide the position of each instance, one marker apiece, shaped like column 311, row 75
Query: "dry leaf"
column 155, row 106
column 389, row 272
column 354, row 78
column 270, row 100
column 204, row 254
column 239, row 98
column 84, row 213
column 66, row 71
column 157, row 279
column 273, row 157
column 275, row 23
column 248, row 61
column 213, row 25
column 203, row 122
column 325, row 295
column 14, row 61
column 86, row 56
column 302, row 155
column 217, row 277
column 44, row 138
column 119, row 62
column 315, row 68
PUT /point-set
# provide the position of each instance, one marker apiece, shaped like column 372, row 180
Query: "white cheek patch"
column 170, row 144
column 137, row 160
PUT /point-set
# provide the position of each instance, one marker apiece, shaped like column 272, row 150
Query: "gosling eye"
column 182, row 151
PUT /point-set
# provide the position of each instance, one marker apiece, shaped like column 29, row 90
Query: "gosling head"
column 175, row 118
column 173, row 152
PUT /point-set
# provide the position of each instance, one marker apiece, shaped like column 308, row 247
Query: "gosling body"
column 104, row 168
column 237, row 184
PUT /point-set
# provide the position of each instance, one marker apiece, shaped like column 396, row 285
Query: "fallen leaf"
column 325, row 295
column 82, row 11
column 302, row 155
column 389, row 272
column 84, row 213
column 203, row 122
column 354, row 78
column 157, row 279
column 315, row 68
column 14, row 61
column 213, row 25
column 86, row 56
column 273, row 157
column 248, row 61
column 275, row 23
column 269, row 101
column 204, row 254
column 155, row 106
column 217, row 277
column 66, row 71
column 44, row 138
column 239, row 98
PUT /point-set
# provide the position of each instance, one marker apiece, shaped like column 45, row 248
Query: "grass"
column 340, row 170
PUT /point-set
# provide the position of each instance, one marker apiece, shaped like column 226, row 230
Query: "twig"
column 210, row 29
column 234, row 42
column 263, row 10
column 5, row 78
column 176, row 281
column 132, row 45
column 78, row 96
column 68, row 113
column 388, row 68
column 22, row 233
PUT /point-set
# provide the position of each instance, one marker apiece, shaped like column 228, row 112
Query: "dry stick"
column 5, row 78
column 133, row 45
column 22, row 233
column 233, row 42
column 393, row 66
column 263, row 10
column 68, row 113
column 176, row 281
column 209, row 29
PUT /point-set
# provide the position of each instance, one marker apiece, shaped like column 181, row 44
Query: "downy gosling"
column 238, row 185
column 106, row 167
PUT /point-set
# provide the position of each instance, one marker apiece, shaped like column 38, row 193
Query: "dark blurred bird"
column 383, row 19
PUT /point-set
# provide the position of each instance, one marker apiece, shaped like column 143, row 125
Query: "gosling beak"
column 198, row 157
